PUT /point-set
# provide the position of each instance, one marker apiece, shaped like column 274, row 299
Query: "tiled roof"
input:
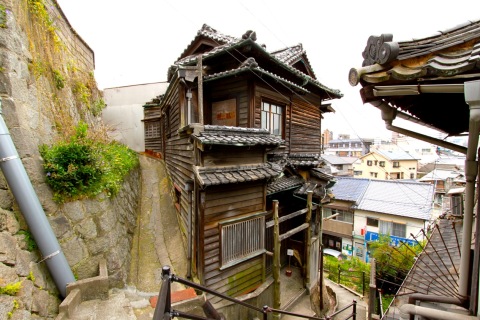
column 212, row 34
column 209, row 176
column 399, row 73
column 435, row 271
column 304, row 160
column 400, row 198
column 336, row 160
column 254, row 68
column 321, row 173
column 395, row 154
column 229, row 43
column 350, row 189
column 318, row 190
column 284, row 183
column 440, row 174
column 236, row 136
column 291, row 55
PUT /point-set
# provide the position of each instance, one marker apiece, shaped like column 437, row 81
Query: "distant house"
column 239, row 127
column 444, row 180
column 349, row 147
column 124, row 112
column 367, row 208
column 340, row 166
column 386, row 165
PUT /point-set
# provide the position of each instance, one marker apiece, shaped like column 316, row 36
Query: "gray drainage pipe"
column 22, row 189
column 410, row 309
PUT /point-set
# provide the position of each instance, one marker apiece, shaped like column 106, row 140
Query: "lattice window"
column 242, row 240
column 152, row 129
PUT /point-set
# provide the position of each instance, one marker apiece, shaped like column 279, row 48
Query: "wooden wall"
column 232, row 156
column 226, row 89
column 306, row 135
column 222, row 203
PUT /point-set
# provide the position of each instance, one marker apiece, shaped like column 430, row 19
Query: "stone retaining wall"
column 89, row 230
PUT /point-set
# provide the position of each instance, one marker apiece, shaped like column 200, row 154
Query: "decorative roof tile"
column 209, row 176
column 236, row 136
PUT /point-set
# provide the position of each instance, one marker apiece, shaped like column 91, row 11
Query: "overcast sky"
column 136, row 41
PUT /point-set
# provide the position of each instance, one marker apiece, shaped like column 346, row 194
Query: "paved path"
column 345, row 298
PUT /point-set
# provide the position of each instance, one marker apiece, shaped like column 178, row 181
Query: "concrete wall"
column 124, row 112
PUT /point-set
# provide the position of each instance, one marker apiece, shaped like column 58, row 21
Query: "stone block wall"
column 88, row 230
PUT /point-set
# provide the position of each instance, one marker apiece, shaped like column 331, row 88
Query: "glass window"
column 372, row 222
column 272, row 118
column 392, row 228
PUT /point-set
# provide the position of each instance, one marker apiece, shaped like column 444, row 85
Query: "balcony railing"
column 338, row 227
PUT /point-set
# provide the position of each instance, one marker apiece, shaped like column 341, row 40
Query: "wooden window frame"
column 271, row 114
column 152, row 129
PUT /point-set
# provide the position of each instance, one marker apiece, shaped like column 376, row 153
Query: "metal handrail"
column 164, row 311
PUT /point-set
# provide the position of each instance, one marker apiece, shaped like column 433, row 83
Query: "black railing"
column 348, row 274
column 164, row 311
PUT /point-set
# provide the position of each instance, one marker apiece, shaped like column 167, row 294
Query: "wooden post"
column 276, row 260
column 308, row 240
column 200, row 88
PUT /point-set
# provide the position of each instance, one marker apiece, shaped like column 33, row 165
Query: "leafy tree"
column 392, row 263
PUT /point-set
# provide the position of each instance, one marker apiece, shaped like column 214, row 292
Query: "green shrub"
column 82, row 167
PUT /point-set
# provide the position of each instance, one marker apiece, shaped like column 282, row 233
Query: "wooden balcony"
column 338, row 228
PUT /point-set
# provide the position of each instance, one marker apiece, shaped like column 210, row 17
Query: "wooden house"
column 237, row 123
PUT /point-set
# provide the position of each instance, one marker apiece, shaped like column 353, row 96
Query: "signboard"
column 289, row 252
column 394, row 241
column 224, row 113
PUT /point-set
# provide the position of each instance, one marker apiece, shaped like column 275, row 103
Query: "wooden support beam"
column 293, row 231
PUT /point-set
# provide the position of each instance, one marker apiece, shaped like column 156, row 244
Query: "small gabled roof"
column 295, row 56
column 207, row 35
column 209, row 176
column 399, row 198
column 395, row 155
column 350, row 189
column 236, row 136
column 441, row 174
